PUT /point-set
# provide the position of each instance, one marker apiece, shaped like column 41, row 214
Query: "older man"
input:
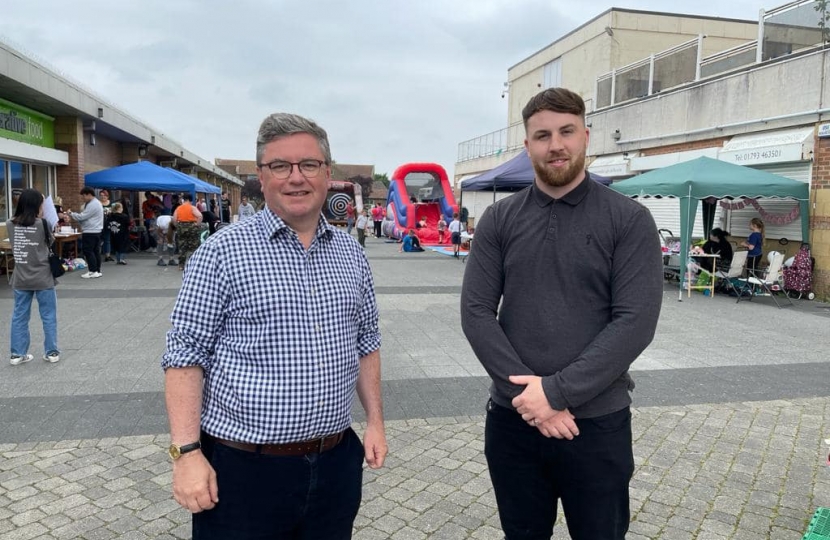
column 270, row 341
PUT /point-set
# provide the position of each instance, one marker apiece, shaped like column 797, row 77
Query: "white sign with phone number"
column 824, row 131
column 770, row 154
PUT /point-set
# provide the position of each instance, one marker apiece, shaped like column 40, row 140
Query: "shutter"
column 666, row 213
column 738, row 223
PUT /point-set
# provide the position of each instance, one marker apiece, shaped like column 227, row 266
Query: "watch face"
column 174, row 451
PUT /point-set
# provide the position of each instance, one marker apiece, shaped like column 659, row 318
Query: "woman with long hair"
column 30, row 239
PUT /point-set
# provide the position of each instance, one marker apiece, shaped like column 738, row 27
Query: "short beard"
column 560, row 178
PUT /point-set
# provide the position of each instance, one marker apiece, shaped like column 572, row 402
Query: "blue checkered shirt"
column 278, row 330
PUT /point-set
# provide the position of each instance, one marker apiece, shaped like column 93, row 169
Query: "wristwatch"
column 175, row 451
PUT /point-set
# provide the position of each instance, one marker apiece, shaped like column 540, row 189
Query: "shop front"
column 27, row 154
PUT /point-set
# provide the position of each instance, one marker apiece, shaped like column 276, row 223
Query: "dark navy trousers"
column 264, row 497
column 589, row 475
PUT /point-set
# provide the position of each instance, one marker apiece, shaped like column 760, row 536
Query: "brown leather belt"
column 321, row 445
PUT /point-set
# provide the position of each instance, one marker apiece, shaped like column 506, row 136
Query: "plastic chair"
column 735, row 271
column 766, row 280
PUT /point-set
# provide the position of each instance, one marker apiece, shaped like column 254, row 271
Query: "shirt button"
column 553, row 216
column 313, row 292
column 551, row 230
column 317, row 327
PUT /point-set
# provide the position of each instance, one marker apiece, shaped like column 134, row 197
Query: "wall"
column 105, row 154
column 820, row 218
column 749, row 95
column 70, row 178
column 635, row 37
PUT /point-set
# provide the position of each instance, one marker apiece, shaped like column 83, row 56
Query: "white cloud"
column 391, row 81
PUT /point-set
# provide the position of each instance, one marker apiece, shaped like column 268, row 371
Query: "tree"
column 253, row 190
column 365, row 184
column 381, row 178
column 824, row 19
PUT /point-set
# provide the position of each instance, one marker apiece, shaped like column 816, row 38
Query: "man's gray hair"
column 280, row 125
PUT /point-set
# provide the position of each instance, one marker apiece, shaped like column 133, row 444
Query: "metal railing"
column 493, row 143
column 666, row 69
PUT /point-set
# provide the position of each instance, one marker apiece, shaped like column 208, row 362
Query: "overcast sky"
column 391, row 81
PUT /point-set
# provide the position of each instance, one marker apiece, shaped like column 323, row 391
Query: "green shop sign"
column 25, row 125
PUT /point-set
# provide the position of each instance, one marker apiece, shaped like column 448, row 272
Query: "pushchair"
column 670, row 246
column 798, row 276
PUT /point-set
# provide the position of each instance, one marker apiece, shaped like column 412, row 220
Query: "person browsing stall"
column 186, row 220
column 270, row 340
column 716, row 245
column 91, row 220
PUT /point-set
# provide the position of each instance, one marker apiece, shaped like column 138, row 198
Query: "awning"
column 611, row 166
column 770, row 147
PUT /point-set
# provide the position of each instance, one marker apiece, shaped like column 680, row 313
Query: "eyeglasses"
column 309, row 168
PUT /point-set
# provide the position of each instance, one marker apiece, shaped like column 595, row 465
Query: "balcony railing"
column 492, row 144
column 783, row 30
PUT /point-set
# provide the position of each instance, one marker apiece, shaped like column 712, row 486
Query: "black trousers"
column 377, row 228
column 589, row 475
column 262, row 497
column 91, row 247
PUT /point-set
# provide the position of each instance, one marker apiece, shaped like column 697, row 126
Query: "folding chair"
column 765, row 281
column 736, row 270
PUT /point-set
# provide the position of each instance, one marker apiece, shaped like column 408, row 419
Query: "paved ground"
column 728, row 438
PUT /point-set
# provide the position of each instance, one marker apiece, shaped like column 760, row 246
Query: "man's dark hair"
column 560, row 100
column 88, row 191
column 187, row 197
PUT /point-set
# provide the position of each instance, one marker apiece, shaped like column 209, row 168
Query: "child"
column 455, row 234
column 754, row 244
column 118, row 224
column 442, row 227
column 411, row 243
column 362, row 227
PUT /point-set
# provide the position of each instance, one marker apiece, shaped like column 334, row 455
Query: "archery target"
column 336, row 205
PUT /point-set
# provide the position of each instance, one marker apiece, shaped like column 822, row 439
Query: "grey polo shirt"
column 567, row 289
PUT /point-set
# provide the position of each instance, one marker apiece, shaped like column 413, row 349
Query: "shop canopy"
column 513, row 175
column 704, row 178
column 145, row 176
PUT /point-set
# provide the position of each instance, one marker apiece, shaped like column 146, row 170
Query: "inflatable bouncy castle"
column 339, row 195
column 418, row 191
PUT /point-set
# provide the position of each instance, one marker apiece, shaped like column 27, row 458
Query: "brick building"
column 53, row 131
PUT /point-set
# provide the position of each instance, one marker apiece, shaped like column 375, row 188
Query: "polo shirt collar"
column 573, row 198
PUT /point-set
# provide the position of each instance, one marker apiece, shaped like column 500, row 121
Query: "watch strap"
column 190, row 447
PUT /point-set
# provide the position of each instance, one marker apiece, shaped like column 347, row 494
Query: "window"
column 552, row 74
column 19, row 175
column 40, row 179
column 4, row 207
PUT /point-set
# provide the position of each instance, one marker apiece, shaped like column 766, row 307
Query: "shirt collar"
column 573, row 198
column 274, row 225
